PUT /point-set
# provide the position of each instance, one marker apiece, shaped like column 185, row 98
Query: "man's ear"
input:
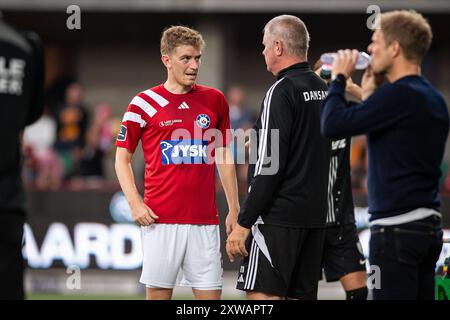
column 396, row 49
column 166, row 60
column 278, row 47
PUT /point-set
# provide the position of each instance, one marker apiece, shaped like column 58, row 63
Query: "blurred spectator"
column 444, row 182
column 241, row 117
column 30, row 166
column 72, row 123
column 358, row 163
column 42, row 166
column 99, row 140
column 55, row 94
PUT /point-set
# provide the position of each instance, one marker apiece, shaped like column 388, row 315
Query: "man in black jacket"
column 286, row 208
column 343, row 257
column 21, row 103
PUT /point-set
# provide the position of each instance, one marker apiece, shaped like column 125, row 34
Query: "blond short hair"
column 292, row 31
column 410, row 29
column 175, row 36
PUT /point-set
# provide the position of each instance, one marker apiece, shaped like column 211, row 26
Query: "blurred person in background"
column 343, row 257
column 99, row 141
column 406, row 122
column 72, row 124
column 21, row 101
column 241, row 117
column 46, row 170
column 446, row 183
column 359, row 163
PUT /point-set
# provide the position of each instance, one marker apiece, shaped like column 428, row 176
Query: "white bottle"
column 363, row 59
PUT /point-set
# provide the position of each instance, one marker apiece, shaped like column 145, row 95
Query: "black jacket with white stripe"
column 340, row 198
column 288, row 184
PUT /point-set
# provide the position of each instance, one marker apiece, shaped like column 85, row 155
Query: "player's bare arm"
column 227, row 174
column 141, row 213
column 353, row 89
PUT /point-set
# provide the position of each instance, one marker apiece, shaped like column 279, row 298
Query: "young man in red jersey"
column 183, row 127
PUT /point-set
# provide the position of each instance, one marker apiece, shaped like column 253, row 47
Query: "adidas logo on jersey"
column 184, row 105
column 241, row 278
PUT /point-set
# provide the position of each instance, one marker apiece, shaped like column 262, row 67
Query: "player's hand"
column 231, row 221
column 345, row 62
column 142, row 214
column 370, row 81
column 236, row 242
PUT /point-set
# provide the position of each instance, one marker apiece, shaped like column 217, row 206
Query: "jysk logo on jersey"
column 203, row 121
column 184, row 151
column 122, row 134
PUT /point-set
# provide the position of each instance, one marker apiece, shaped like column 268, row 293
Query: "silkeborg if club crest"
column 203, row 121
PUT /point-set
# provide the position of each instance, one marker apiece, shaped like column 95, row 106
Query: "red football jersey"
column 178, row 133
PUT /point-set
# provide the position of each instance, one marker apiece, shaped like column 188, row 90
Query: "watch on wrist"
column 340, row 78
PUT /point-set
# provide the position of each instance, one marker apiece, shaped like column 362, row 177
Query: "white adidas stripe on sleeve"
column 134, row 117
column 144, row 105
column 264, row 127
column 159, row 99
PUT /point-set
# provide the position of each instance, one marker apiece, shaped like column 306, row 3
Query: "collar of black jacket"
column 298, row 66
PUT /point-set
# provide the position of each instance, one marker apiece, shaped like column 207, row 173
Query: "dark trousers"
column 406, row 255
column 11, row 260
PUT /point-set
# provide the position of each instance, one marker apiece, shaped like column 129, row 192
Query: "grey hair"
column 292, row 32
